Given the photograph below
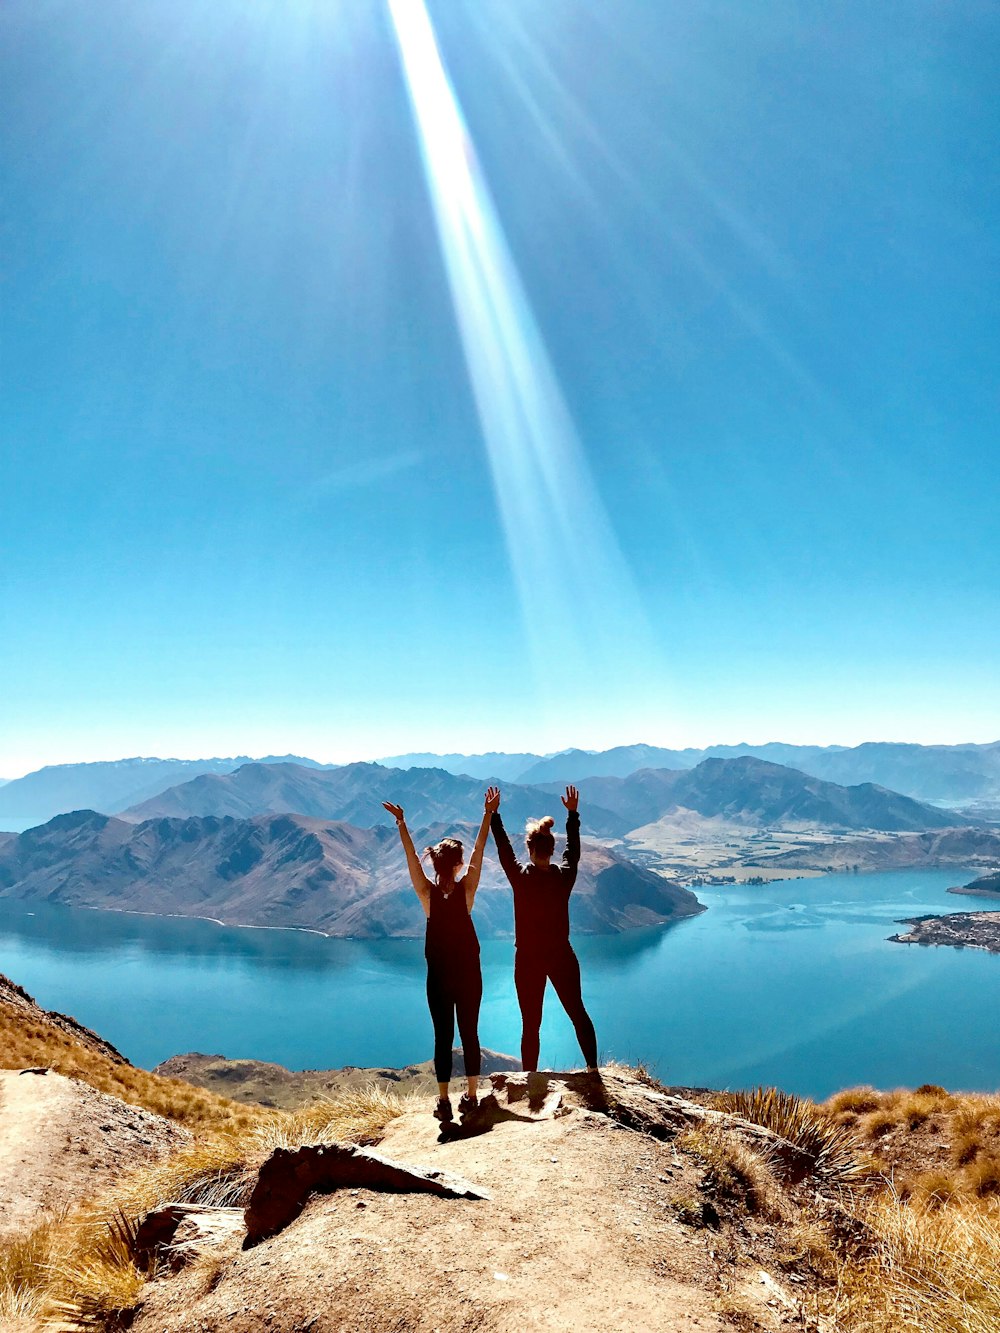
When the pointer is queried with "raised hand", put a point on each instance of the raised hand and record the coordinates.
(492, 802)
(395, 810)
(572, 798)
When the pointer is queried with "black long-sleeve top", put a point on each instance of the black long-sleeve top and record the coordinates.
(541, 893)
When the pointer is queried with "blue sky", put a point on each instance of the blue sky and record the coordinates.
(247, 502)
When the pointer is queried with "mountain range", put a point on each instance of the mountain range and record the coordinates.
(292, 870)
(949, 775)
(748, 791)
(945, 774)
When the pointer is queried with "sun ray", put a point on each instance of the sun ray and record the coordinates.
(570, 573)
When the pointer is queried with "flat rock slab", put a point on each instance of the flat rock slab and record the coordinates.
(290, 1175)
(179, 1231)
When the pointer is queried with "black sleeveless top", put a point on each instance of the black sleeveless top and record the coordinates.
(451, 939)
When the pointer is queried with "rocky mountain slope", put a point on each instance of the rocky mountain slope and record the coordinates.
(290, 870)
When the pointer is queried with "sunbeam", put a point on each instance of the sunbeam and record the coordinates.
(570, 573)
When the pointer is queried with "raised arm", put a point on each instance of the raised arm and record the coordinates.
(421, 884)
(571, 856)
(511, 865)
(471, 877)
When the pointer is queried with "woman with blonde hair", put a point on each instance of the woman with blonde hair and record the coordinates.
(454, 978)
(542, 951)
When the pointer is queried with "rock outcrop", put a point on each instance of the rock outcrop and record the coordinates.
(604, 1203)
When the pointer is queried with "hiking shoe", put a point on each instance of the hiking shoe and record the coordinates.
(468, 1105)
(443, 1111)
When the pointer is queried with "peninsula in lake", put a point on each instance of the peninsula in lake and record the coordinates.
(962, 930)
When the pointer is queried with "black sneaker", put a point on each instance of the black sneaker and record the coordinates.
(469, 1105)
(443, 1111)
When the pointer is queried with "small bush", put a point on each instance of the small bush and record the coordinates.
(965, 1149)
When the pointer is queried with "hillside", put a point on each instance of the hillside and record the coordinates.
(354, 793)
(31, 1036)
(264, 1083)
(986, 886)
(291, 870)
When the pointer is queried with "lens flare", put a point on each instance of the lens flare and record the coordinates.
(571, 577)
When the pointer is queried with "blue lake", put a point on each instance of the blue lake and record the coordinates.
(793, 984)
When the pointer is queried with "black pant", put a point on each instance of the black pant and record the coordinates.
(451, 993)
(562, 968)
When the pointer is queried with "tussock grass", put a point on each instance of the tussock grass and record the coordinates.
(832, 1150)
(736, 1174)
(24, 1272)
(935, 1269)
(877, 1123)
(854, 1101)
(80, 1268)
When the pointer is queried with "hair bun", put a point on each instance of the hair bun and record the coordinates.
(546, 822)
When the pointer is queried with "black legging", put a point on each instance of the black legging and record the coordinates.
(450, 994)
(562, 968)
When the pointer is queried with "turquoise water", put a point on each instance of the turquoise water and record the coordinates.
(792, 984)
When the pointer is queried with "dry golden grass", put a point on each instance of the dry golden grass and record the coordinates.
(27, 1041)
(935, 1268)
(736, 1174)
(80, 1269)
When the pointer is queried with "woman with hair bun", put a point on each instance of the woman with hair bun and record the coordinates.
(542, 951)
(454, 979)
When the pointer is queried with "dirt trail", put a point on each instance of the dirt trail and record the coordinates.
(61, 1141)
(581, 1234)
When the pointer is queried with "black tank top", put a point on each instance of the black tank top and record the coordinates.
(451, 937)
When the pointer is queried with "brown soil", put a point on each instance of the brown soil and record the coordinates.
(62, 1141)
(584, 1230)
